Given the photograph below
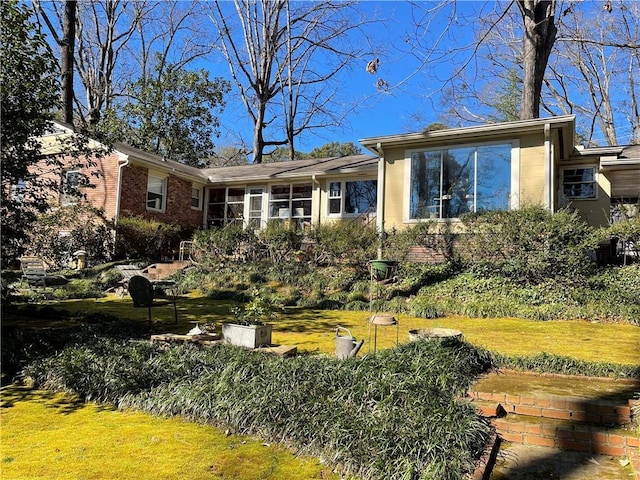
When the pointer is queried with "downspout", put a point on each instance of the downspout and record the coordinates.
(319, 196)
(550, 166)
(382, 169)
(116, 215)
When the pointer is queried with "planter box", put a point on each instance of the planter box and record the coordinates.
(248, 336)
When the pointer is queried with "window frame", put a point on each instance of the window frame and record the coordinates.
(67, 198)
(227, 219)
(198, 198)
(594, 170)
(163, 195)
(514, 175)
(291, 201)
(342, 197)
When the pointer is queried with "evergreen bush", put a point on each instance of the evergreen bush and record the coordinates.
(529, 245)
(137, 237)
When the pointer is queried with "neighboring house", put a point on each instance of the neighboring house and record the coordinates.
(446, 173)
(427, 175)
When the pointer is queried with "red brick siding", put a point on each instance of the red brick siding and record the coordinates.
(103, 176)
(178, 203)
(106, 185)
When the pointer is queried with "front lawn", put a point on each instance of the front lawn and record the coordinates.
(344, 412)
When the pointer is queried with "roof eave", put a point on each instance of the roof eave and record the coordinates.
(467, 133)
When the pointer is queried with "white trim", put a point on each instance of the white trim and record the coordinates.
(200, 195)
(513, 201)
(343, 195)
(596, 182)
(163, 200)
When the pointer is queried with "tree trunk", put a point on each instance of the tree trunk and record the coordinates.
(538, 39)
(67, 48)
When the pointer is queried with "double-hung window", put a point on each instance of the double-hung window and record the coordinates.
(156, 193)
(196, 197)
(352, 197)
(70, 187)
(449, 182)
(579, 183)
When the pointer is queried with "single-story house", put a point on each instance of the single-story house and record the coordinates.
(407, 178)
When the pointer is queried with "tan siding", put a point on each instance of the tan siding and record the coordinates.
(395, 188)
(532, 170)
(596, 212)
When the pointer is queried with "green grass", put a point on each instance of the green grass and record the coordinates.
(55, 436)
(35, 423)
(314, 330)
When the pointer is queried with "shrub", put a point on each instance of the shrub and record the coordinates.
(348, 242)
(280, 241)
(137, 237)
(530, 245)
(84, 228)
(433, 235)
(217, 245)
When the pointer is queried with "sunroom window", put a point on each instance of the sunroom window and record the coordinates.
(226, 206)
(290, 201)
(447, 183)
(353, 198)
(579, 183)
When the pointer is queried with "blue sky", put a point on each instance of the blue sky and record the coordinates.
(378, 112)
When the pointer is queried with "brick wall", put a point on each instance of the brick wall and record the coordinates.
(106, 184)
(178, 203)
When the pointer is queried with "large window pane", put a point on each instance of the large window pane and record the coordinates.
(425, 184)
(361, 196)
(451, 182)
(457, 181)
(493, 181)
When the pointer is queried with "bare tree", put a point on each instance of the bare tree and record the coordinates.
(592, 72)
(539, 36)
(595, 74)
(104, 29)
(118, 41)
(283, 57)
(66, 42)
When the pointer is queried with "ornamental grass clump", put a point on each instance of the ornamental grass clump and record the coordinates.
(398, 414)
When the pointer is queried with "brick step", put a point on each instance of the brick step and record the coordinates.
(599, 411)
(567, 435)
(158, 271)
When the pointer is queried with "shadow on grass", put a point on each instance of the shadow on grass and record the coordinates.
(63, 403)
